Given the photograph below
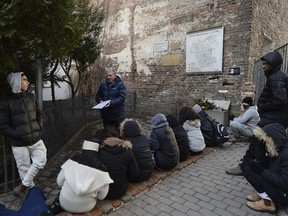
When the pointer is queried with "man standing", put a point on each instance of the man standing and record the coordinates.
(112, 89)
(21, 121)
(272, 105)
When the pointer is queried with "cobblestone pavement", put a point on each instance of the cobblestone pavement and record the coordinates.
(202, 188)
(199, 189)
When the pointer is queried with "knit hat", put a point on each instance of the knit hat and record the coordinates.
(14, 80)
(172, 120)
(89, 145)
(197, 108)
(248, 100)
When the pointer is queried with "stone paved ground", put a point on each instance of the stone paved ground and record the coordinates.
(199, 186)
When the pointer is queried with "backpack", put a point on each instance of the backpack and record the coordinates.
(217, 135)
(221, 135)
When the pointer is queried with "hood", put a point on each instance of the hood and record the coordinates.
(275, 60)
(274, 136)
(253, 107)
(114, 141)
(84, 179)
(172, 120)
(197, 108)
(130, 128)
(14, 80)
(195, 123)
(159, 120)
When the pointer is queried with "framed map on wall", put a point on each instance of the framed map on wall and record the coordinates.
(204, 50)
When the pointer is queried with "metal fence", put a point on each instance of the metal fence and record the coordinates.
(61, 120)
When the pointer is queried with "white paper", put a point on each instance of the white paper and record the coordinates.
(101, 105)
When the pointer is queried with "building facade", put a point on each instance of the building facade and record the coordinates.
(172, 52)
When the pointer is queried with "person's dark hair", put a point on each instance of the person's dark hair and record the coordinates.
(187, 113)
(90, 158)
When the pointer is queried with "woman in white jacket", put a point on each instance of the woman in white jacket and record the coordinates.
(83, 180)
(191, 123)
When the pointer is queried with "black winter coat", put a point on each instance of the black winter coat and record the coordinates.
(140, 146)
(20, 119)
(117, 156)
(207, 129)
(116, 92)
(181, 137)
(273, 101)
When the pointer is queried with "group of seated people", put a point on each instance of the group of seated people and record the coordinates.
(106, 165)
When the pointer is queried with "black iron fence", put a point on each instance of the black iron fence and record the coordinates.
(61, 120)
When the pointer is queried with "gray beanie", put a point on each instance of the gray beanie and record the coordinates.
(197, 108)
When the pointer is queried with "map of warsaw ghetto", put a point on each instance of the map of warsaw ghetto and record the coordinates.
(204, 50)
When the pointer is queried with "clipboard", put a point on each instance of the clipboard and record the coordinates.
(101, 105)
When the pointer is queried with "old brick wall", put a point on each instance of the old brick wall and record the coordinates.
(132, 27)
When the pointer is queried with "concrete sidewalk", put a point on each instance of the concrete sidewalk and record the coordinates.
(198, 186)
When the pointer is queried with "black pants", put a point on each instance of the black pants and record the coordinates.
(115, 124)
(262, 185)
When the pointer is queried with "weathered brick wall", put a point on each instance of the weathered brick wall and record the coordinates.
(159, 79)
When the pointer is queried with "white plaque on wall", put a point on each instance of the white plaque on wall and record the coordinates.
(204, 50)
(160, 46)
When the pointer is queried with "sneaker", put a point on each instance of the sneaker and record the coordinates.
(263, 206)
(55, 208)
(235, 171)
(253, 197)
(20, 191)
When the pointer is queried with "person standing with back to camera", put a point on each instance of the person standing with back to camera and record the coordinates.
(112, 89)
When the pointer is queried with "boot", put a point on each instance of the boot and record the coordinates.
(235, 171)
(20, 191)
(263, 205)
(253, 197)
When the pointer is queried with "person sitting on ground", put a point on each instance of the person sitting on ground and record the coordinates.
(34, 205)
(192, 124)
(244, 124)
(163, 144)
(83, 180)
(207, 127)
(271, 183)
(131, 130)
(181, 137)
(117, 155)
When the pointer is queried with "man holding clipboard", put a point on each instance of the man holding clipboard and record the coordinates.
(110, 98)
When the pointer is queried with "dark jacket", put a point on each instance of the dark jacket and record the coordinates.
(207, 129)
(181, 137)
(117, 156)
(116, 92)
(273, 101)
(163, 143)
(20, 119)
(130, 130)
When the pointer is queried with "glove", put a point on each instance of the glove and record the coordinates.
(256, 167)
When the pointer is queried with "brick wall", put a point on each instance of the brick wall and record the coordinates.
(132, 27)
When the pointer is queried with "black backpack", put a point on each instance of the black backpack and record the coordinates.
(218, 134)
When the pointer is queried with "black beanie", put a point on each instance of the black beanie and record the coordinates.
(248, 100)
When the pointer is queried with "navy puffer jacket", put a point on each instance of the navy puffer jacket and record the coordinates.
(20, 119)
(273, 101)
(116, 92)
